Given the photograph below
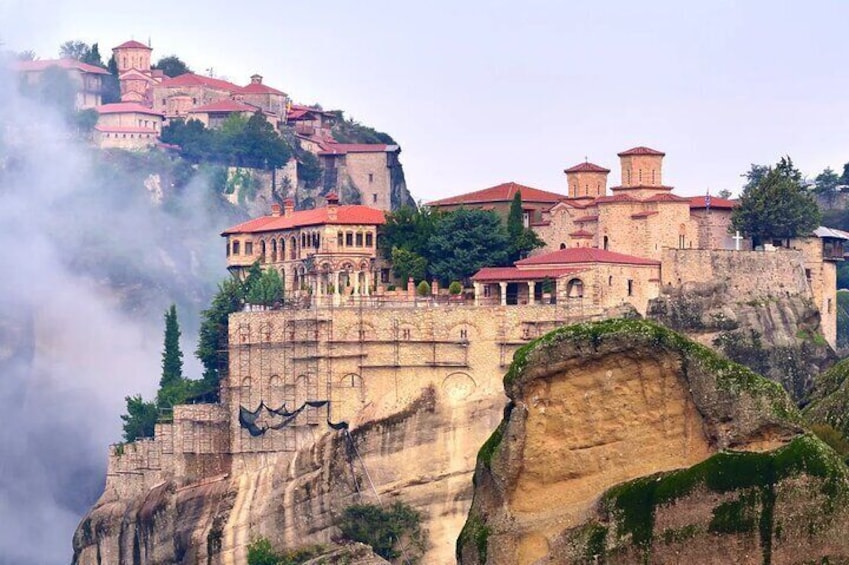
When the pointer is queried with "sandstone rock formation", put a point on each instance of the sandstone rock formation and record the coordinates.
(828, 402)
(422, 455)
(778, 336)
(625, 442)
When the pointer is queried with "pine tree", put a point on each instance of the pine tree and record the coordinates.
(172, 357)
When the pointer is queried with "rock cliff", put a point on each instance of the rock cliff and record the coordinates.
(776, 335)
(422, 456)
(625, 442)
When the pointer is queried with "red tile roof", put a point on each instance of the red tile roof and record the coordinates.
(501, 193)
(125, 107)
(641, 150)
(191, 79)
(67, 64)
(581, 234)
(643, 215)
(586, 167)
(294, 114)
(586, 219)
(715, 202)
(259, 88)
(665, 197)
(349, 214)
(504, 274)
(575, 255)
(133, 44)
(226, 105)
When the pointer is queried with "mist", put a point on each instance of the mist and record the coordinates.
(93, 250)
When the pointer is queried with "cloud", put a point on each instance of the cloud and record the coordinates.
(90, 262)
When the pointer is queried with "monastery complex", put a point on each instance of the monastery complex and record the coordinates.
(348, 348)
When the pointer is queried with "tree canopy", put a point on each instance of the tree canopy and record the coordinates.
(82, 52)
(466, 241)
(239, 142)
(774, 204)
(523, 240)
(172, 66)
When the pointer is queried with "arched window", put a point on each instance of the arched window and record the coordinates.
(606, 242)
(369, 240)
(282, 249)
(262, 250)
(575, 288)
(359, 239)
(293, 248)
(273, 250)
(340, 239)
(562, 246)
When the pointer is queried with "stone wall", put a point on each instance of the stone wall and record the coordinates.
(748, 274)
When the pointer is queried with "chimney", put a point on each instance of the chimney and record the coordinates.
(275, 209)
(288, 207)
(332, 204)
(256, 79)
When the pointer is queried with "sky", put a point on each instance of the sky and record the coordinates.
(479, 93)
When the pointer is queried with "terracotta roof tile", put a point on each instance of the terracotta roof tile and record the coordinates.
(575, 255)
(715, 202)
(583, 219)
(501, 193)
(125, 107)
(67, 64)
(642, 187)
(125, 129)
(665, 197)
(192, 79)
(643, 215)
(498, 274)
(641, 150)
(615, 198)
(349, 214)
(133, 44)
(343, 148)
(581, 234)
(586, 167)
(259, 88)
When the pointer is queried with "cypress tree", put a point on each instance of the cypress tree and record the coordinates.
(515, 224)
(172, 357)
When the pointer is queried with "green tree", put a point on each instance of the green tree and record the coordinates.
(776, 207)
(386, 531)
(84, 121)
(523, 240)
(56, 89)
(212, 340)
(844, 178)
(140, 419)
(74, 49)
(92, 56)
(515, 219)
(724, 193)
(266, 290)
(408, 228)
(171, 382)
(406, 264)
(172, 66)
(825, 185)
(466, 241)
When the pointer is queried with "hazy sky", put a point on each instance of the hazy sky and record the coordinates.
(479, 93)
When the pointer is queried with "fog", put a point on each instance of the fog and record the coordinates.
(91, 259)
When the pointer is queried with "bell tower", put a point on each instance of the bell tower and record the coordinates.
(641, 167)
(586, 180)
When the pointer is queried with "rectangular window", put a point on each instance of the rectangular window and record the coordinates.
(236, 247)
(384, 275)
(249, 248)
(374, 197)
(359, 240)
(630, 287)
(371, 177)
(228, 249)
(349, 239)
(339, 239)
(369, 240)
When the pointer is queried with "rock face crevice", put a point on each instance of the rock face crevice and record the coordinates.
(422, 455)
(627, 405)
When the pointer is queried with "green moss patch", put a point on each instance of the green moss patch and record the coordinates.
(754, 475)
(476, 532)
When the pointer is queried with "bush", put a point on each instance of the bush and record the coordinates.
(260, 552)
(423, 289)
(455, 288)
(386, 531)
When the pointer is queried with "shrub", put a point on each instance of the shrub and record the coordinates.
(386, 531)
(423, 289)
(455, 288)
(260, 552)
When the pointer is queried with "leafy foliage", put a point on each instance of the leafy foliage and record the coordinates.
(775, 205)
(466, 241)
(352, 131)
(260, 552)
(265, 290)
(140, 419)
(407, 264)
(241, 143)
(408, 228)
(212, 341)
(172, 356)
(386, 531)
(423, 289)
(172, 66)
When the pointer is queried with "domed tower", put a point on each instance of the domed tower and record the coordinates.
(132, 55)
(586, 180)
(641, 167)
